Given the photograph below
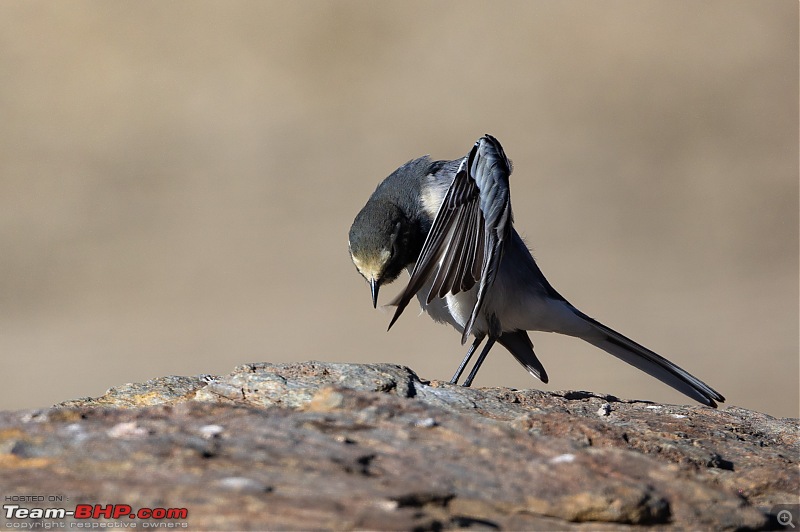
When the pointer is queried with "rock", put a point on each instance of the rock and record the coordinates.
(345, 446)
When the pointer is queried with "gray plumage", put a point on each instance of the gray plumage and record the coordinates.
(450, 224)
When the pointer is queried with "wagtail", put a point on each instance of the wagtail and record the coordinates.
(449, 224)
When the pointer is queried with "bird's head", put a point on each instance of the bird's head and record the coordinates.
(381, 242)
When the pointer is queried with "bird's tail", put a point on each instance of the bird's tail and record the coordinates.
(651, 363)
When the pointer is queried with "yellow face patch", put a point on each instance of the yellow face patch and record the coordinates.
(372, 267)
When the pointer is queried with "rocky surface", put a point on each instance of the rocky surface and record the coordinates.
(344, 446)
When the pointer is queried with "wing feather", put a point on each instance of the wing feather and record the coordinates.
(465, 244)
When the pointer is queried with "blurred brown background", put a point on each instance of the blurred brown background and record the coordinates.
(177, 181)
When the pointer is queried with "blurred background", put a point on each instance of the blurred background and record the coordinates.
(177, 181)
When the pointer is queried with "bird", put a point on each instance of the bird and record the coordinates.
(449, 224)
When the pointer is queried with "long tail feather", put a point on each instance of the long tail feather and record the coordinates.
(651, 363)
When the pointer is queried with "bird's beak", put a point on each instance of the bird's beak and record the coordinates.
(374, 285)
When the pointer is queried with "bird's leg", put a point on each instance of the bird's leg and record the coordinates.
(472, 348)
(481, 358)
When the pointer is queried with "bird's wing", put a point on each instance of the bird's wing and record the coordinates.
(465, 243)
(519, 344)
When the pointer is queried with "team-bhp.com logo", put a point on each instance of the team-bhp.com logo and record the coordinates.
(96, 511)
